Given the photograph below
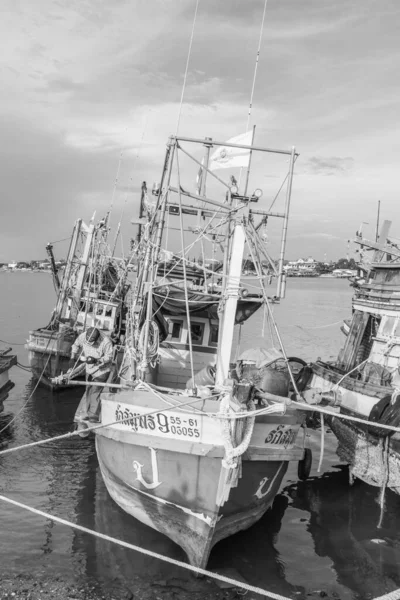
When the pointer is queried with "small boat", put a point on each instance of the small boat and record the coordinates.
(364, 381)
(91, 293)
(6, 362)
(192, 444)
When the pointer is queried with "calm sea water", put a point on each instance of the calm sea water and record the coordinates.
(320, 535)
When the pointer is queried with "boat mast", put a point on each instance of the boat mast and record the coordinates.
(228, 316)
(49, 250)
(141, 211)
(377, 221)
(76, 298)
(68, 268)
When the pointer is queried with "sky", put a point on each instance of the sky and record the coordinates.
(91, 91)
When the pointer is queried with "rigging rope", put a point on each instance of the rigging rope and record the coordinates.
(256, 65)
(63, 240)
(13, 343)
(115, 186)
(187, 67)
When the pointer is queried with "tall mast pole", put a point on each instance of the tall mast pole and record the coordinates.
(231, 295)
(68, 269)
(141, 211)
(82, 272)
(202, 192)
(249, 167)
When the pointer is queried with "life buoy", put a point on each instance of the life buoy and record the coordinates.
(304, 466)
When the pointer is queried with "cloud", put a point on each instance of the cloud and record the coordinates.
(333, 165)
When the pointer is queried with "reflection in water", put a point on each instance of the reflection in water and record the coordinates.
(343, 525)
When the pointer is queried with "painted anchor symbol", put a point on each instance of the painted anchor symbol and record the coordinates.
(137, 467)
(259, 493)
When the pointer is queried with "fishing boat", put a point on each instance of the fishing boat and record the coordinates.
(90, 293)
(6, 362)
(190, 443)
(364, 380)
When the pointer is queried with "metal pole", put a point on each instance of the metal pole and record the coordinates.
(231, 145)
(285, 223)
(377, 221)
(54, 270)
(248, 168)
(204, 172)
(68, 269)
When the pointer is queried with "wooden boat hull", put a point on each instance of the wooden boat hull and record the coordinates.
(172, 481)
(6, 362)
(185, 513)
(49, 354)
(359, 447)
(365, 454)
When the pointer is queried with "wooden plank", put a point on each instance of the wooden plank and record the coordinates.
(357, 329)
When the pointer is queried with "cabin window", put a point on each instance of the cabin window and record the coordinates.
(108, 311)
(197, 333)
(99, 310)
(176, 330)
(388, 326)
(213, 339)
(397, 328)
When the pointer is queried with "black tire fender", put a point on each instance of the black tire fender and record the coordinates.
(378, 414)
(304, 466)
(303, 378)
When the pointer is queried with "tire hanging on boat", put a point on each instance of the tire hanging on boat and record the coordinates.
(304, 466)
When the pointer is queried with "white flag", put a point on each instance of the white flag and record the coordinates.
(226, 157)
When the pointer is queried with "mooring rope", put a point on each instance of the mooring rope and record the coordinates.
(321, 456)
(13, 343)
(167, 559)
(385, 479)
(394, 595)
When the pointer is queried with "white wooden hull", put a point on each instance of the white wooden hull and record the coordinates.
(172, 482)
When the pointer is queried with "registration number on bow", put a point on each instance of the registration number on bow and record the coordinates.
(167, 424)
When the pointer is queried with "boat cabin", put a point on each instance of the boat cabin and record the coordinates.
(174, 369)
(374, 332)
(95, 313)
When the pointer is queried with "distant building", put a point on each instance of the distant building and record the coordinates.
(301, 266)
(12, 265)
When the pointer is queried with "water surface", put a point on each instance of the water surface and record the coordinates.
(320, 535)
